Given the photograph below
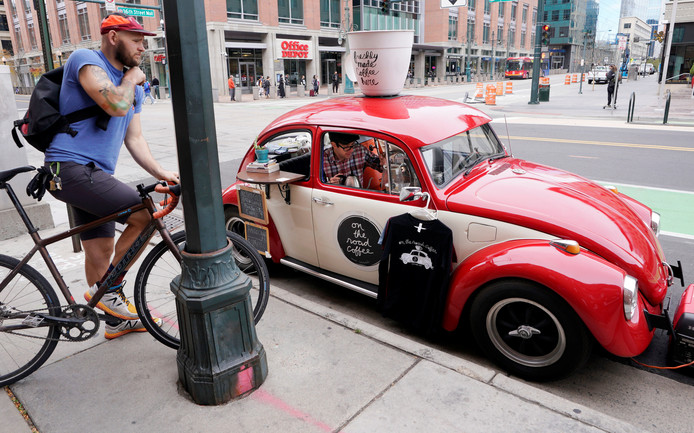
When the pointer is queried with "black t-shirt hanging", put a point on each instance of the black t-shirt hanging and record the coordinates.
(414, 271)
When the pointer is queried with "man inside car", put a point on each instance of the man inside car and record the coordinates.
(346, 159)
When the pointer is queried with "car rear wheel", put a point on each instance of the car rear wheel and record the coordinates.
(529, 331)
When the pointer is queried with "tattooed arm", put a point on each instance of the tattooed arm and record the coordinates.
(114, 100)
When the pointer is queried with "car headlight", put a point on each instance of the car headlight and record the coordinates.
(655, 223)
(630, 296)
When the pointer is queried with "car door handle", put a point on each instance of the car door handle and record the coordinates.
(323, 201)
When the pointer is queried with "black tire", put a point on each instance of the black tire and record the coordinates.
(154, 299)
(21, 355)
(529, 331)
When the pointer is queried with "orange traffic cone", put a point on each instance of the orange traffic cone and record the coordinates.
(567, 80)
(490, 97)
(479, 94)
(509, 87)
(499, 88)
(575, 78)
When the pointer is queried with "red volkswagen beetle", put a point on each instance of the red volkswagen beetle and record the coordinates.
(546, 263)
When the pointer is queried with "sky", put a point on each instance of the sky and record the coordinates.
(608, 19)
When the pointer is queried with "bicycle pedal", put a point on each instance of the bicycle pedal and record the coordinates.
(33, 321)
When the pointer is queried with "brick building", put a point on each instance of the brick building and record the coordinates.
(252, 38)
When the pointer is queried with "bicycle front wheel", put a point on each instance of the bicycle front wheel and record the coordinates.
(24, 350)
(154, 299)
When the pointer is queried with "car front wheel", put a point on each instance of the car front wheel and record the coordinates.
(529, 331)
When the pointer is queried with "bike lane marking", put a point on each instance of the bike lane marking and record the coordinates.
(676, 207)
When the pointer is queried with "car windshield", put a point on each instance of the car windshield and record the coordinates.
(600, 69)
(446, 159)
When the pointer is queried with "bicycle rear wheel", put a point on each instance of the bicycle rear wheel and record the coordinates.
(23, 351)
(154, 299)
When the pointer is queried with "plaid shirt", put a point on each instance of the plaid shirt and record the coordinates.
(359, 159)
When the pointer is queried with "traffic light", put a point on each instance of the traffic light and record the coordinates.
(385, 6)
(545, 34)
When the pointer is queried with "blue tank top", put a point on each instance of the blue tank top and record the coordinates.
(91, 144)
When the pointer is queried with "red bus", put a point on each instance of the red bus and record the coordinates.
(519, 67)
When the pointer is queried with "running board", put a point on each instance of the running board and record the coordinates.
(367, 289)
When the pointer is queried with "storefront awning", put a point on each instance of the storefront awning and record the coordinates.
(252, 45)
(332, 48)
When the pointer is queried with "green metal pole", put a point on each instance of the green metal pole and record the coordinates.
(40, 7)
(534, 94)
(220, 357)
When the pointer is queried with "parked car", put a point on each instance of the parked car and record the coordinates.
(598, 74)
(547, 263)
(646, 69)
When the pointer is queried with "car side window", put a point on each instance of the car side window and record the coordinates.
(401, 172)
(292, 150)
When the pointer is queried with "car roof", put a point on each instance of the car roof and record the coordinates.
(417, 120)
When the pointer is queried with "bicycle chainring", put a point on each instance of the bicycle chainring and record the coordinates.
(85, 328)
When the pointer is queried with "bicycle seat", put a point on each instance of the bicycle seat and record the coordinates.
(7, 175)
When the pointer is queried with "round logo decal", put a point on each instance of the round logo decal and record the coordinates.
(358, 240)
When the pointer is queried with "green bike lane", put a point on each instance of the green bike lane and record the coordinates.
(676, 208)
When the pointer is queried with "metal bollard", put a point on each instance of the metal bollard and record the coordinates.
(632, 106)
(667, 106)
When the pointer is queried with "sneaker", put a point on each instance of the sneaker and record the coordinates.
(126, 327)
(114, 303)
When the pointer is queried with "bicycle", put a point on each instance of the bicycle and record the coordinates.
(31, 312)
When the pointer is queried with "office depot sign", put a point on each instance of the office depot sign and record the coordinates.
(293, 49)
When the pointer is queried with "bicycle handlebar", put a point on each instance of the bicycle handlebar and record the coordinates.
(171, 202)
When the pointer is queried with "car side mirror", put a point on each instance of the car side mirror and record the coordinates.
(409, 193)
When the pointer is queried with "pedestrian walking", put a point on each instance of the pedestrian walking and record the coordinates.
(303, 81)
(110, 78)
(316, 85)
(336, 81)
(148, 91)
(155, 86)
(611, 81)
(280, 88)
(266, 87)
(232, 88)
(259, 84)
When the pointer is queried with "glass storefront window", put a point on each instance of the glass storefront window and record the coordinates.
(246, 65)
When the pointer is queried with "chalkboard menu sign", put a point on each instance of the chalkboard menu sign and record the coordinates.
(252, 204)
(257, 236)
(358, 240)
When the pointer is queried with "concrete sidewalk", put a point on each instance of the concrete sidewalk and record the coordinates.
(327, 372)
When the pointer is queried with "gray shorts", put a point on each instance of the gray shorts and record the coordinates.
(93, 194)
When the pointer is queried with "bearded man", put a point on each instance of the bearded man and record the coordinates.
(84, 163)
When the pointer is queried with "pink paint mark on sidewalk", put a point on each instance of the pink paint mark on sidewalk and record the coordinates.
(269, 399)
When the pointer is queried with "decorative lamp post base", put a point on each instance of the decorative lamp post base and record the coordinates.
(220, 357)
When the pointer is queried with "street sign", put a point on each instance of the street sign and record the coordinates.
(136, 12)
(607, 59)
(622, 43)
(453, 3)
(110, 5)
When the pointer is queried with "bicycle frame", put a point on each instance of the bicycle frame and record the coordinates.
(132, 252)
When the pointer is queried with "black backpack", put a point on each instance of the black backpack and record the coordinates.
(43, 119)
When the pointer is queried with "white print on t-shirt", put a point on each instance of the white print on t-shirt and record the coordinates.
(419, 245)
(417, 257)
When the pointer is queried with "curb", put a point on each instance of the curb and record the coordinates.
(488, 376)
